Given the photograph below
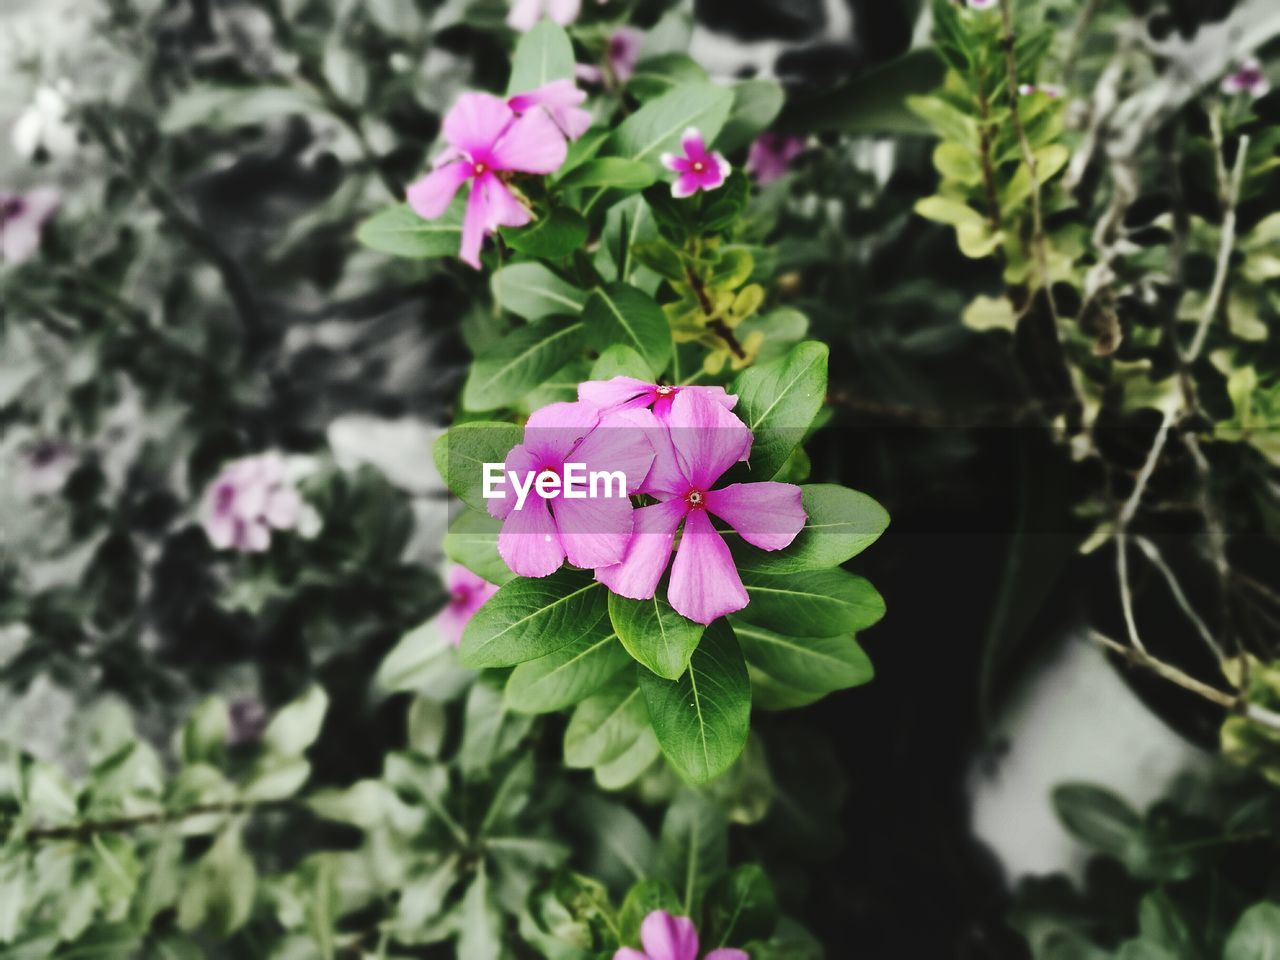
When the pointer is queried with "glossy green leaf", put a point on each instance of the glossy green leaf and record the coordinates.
(839, 524)
(702, 719)
(1098, 817)
(619, 313)
(656, 127)
(778, 401)
(809, 664)
(567, 676)
(653, 633)
(1256, 935)
(296, 726)
(756, 103)
(399, 231)
(817, 603)
(472, 541)
(521, 361)
(555, 235)
(739, 907)
(617, 173)
(529, 618)
(542, 55)
(607, 724)
(621, 361)
(461, 453)
(532, 291)
(693, 846)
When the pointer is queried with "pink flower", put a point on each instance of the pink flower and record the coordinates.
(705, 440)
(22, 220)
(486, 139)
(627, 393)
(770, 156)
(591, 531)
(672, 938)
(467, 594)
(526, 13)
(1249, 79)
(562, 101)
(698, 169)
(250, 498)
(620, 57)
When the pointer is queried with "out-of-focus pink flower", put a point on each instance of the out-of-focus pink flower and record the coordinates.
(665, 937)
(705, 440)
(22, 221)
(486, 139)
(982, 4)
(44, 468)
(250, 498)
(246, 720)
(526, 13)
(1048, 89)
(590, 531)
(620, 57)
(770, 156)
(468, 592)
(698, 169)
(626, 393)
(1248, 78)
(562, 101)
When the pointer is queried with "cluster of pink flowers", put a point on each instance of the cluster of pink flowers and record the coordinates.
(673, 444)
(665, 937)
(251, 497)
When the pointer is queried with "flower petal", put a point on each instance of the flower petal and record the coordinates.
(615, 393)
(504, 210)
(431, 195)
(669, 938)
(646, 556)
(708, 439)
(475, 123)
(693, 145)
(533, 144)
(629, 953)
(623, 442)
(563, 12)
(519, 460)
(767, 515)
(528, 541)
(594, 530)
(552, 432)
(524, 14)
(704, 582)
(474, 221)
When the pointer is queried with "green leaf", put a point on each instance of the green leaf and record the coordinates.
(839, 524)
(1256, 935)
(204, 735)
(491, 732)
(778, 401)
(756, 103)
(809, 664)
(656, 127)
(277, 778)
(528, 618)
(659, 74)
(1143, 950)
(472, 542)
(1161, 922)
(399, 231)
(1098, 817)
(607, 725)
(650, 894)
(521, 361)
(739, 907)
(693, 846)
(345, 72)
(543, 54)
(621, 361)
(532, 291)
(225, 108)
(874, 103)
(702, 719)
(947, 121)
(297, 725)
(565, 677)
(619, 313)
(654, 634)
(818, 603)
(955, 213)
(555, 235)
(617, 173)
(461, 453)
(219, 893)
(480, 934)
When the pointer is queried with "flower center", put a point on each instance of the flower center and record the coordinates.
(695, 498)
(698, 166)
(458, 595)
(479, 168)
(664, 390)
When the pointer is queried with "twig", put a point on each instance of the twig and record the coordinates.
(1123, 519)
(1153, 554)
(714, 323)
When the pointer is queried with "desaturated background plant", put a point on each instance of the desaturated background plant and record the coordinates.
(278, 276)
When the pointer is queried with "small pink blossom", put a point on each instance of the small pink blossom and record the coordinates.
(562, 101)
(592, 531)
(468, 592)
(770, 156)
(626, 393)
(665, 937)
(250, 498)
(22, 221)
(1248, 78)
(525, 14)
(698, 169)
(620, 57)
(703, 441)
(487, 140)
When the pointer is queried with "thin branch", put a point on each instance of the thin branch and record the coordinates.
(1153, 554)
(1124, 518)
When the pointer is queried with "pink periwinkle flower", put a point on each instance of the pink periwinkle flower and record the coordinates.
(703, 440)
(22, 221)
(698, 169)
(563, 103)
(1249, 79)
(770, 156)
(620, 57)
(526, 13)
(590, 531)
(628, 393)
(665, 937)
(487, 141)
(250, 498)
(468, 592)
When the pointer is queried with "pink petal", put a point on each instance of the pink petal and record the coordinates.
(503, 208)
(475, 122)
(588, 73)
(704, 582)
(557, 93)
(767, 515)
(431, 195)
(521, 460)
(19, 239)
(646, 556)
(667, 477)
(624, 52)
(451, 623)
(533, 144)
(563, 12)
(552, 432)
(618, 392)
(694, 147)
(708, 439)
(621, 442)
(627, 953)
(674, 163)
(669, 938)
(595, 532)
(528, 541)
(524, 14)
(686, 185)
(727, 953)
(474, 223)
